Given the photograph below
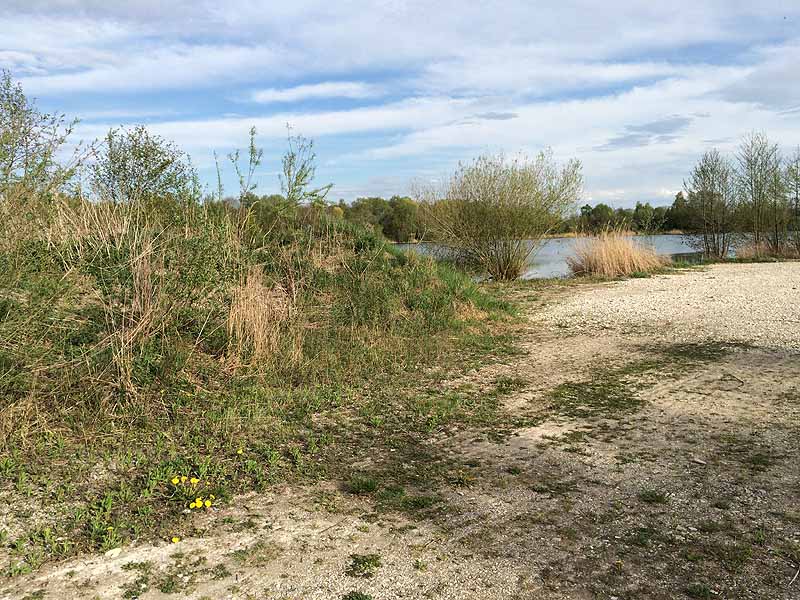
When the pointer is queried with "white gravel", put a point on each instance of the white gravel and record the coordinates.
(757, 303)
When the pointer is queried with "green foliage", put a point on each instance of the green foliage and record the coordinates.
(136, 165)
(493, 213)
(29, 142)
(363, 565)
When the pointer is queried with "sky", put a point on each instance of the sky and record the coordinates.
(393, 92)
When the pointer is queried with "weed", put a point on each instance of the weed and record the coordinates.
(363, 565)
(362, 484)
(652, 496)
(698, 590)
(356, 596)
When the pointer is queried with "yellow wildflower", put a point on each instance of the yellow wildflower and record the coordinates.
(194, 481)
(176, 539)
(239, 451)
(199, 502)
(175, 481)
(192, 505)
(183, 478)
(208, 503)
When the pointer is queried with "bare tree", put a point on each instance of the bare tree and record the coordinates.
(711, 192)
(760, 186)
(493, 213)
(793, 194)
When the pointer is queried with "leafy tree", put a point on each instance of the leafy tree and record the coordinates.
(401, 221)
(29, 142)
(494, 213)
(298, 172)
(680, 215)
(137, 165)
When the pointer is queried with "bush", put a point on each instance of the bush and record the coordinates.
(613, 254)
(493, 214)
(136, 165)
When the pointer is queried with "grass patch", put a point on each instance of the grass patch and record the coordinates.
(652, 496)
(360, 484)
(363, 565)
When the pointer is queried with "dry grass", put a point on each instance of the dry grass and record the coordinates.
(258, 314)
(614, 254)
(760, 251)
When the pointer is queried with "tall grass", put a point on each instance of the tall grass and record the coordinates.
(113, 308)
(614, 254)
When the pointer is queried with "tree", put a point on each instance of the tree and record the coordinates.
(136, 165)
(298, 171)
(759, 179)
(793, 194)
(401, 222)
(29, 142)
(647, 219)
(711, 191)
(680, 215)
(493, 213)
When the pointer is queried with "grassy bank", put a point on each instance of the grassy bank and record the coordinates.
(155, 353)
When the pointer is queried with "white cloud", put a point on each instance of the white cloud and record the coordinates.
(636, 90)
(328, 89)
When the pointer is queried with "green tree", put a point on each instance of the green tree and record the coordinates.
(136, 165)
(401, 221)
(29, 142)
(494, 213)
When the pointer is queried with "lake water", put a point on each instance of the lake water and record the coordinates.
(551, 258)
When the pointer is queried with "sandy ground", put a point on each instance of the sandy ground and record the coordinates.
(751, 303)
(686, 487)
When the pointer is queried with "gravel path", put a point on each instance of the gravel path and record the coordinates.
(757, 304)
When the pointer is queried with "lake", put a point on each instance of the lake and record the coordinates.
(551, 258)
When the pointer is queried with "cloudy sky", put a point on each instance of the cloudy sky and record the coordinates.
(395, 90)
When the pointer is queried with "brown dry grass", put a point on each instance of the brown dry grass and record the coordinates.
(614, 254)
(257, 316)
(759, 251)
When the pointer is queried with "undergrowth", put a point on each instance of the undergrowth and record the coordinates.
(151, 341)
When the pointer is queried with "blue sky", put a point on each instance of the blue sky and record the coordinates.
(396, 91)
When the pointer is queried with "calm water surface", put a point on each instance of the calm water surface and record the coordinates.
(551, 258)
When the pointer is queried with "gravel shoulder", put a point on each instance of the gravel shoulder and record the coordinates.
(646, 447)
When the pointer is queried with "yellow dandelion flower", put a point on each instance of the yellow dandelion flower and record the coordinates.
(183, 478)
(199, 502)
(194, 481)
(192, 505)
(208, 503)
(176, 539)
(175, 481)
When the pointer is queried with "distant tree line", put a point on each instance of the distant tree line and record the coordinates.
(750, 201)
(397, 219)
(644, 218)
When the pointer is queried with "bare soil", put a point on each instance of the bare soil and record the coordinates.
(646, 450)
